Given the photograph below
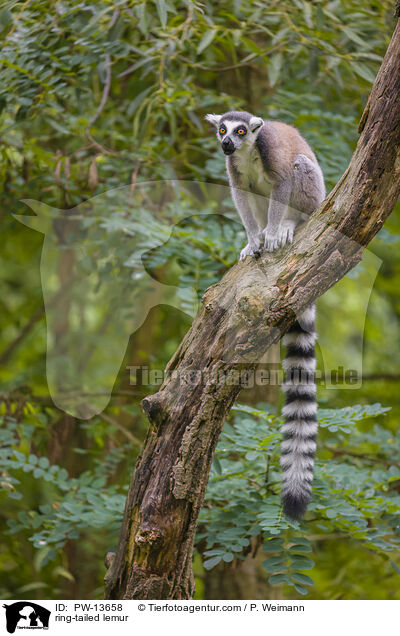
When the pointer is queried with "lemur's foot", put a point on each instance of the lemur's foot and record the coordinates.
(271, 240)
(285, 232)
(279, 237)
(249, 250)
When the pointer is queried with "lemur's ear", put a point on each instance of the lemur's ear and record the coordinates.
(255, 122)
(213, 119)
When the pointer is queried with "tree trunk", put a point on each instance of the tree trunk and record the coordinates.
(242, 315)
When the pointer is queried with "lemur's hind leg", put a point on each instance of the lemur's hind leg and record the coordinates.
(308, 186)
(308, 191)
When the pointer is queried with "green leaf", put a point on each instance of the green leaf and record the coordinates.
(58, 127)
(274, 564)
(44, 462)
(217, 466)
(300, 589)
(206, 40)
(302, 578)
(278, 578)
(135, 103)
(15, 495)
(273, 545)
(353, 36)
(300, 548)
(274, 68)
(210, 563)
(363, 71)
(5, 17)
(301, 563)
(29, 587)
(60, 571)
(162, 12)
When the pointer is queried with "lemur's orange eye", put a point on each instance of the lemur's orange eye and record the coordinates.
(222, 130)
(241, 131)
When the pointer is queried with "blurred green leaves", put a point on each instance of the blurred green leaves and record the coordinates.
(170, 63)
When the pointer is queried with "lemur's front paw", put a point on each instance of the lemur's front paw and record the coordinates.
(249, 250)
(285, 232)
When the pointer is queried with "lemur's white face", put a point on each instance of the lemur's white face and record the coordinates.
(235, 134)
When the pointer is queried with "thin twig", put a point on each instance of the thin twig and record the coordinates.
(121, 428)
(114, 18)
(36, 316)
(23, 392)
(104, 97)
(366, 458)
(328, 537)
(133, 182)
(376, 377)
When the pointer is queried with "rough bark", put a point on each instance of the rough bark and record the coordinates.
(242, 315)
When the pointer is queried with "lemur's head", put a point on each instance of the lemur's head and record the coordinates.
(235, 129)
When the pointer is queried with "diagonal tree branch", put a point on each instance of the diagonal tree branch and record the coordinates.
(242, 315)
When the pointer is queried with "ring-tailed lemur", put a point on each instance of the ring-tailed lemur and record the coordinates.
(271, 159)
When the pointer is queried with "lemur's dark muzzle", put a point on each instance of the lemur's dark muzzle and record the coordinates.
(227, 146)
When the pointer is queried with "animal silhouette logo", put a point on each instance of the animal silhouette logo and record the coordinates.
(26, 615)
(98, 289)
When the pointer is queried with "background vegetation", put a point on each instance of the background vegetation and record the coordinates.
(99, 95)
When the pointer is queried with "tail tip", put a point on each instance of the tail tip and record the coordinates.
(294, 506)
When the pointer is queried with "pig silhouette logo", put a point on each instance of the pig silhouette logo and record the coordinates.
(26, 615)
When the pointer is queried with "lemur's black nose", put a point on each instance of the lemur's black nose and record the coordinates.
(227, 146)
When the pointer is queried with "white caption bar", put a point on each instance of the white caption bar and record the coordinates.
(154, 617)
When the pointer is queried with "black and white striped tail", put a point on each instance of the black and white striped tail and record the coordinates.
(300, 413)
